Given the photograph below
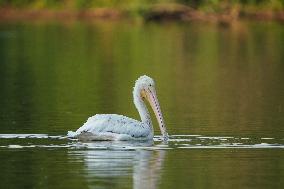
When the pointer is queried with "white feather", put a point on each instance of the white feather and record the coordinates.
(112, 127)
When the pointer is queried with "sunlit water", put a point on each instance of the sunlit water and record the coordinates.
(221, 92)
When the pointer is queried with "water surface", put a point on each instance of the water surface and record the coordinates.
(220, 89)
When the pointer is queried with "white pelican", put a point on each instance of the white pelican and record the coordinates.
(119, 127)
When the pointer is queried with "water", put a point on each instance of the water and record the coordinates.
(220, 89)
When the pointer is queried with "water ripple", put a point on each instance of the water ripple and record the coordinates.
(16, 141)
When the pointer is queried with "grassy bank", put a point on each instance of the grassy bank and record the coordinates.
(186, 10)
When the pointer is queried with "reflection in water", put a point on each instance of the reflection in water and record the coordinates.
(148, 169)
(221, 161)
(120, 165)
(214, 81)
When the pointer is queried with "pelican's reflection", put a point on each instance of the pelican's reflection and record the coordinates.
(147, 170)
(117, 164)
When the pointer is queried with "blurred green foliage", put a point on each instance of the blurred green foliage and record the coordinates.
(83, 4)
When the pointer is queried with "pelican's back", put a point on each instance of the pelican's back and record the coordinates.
(112, 127)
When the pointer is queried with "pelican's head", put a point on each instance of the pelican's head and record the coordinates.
(145, 88)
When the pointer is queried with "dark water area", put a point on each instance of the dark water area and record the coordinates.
(220, 89)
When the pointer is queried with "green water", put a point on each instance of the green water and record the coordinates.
(220, 89)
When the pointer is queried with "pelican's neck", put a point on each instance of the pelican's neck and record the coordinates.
(141, 107)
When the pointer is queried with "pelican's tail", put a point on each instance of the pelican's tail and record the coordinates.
(72, 134)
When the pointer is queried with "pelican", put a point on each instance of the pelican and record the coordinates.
(119, 127)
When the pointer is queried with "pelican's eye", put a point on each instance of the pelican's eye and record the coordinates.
(150, 85)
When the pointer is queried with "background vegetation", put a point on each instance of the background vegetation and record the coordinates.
(209, 5)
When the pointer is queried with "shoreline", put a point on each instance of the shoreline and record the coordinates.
(156, 13)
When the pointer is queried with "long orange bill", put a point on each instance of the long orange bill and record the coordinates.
(153, 100)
